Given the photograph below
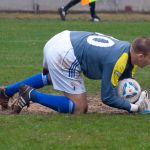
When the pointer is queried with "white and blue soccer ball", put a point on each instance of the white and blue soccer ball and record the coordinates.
(129, 89)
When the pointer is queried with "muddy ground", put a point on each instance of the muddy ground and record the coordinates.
(95, 105)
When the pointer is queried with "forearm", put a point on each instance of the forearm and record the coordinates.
(117, 102)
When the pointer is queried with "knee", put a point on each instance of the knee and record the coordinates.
(80, 109)
(80, 101)
(107, 102)
(81, 106)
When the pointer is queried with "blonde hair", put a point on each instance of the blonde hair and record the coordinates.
(141, 45)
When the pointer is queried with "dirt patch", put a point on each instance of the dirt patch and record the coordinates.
(95, 105)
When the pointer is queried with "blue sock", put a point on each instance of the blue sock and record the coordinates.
(37, 81)
(60, 104)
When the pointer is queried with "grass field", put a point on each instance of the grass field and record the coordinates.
(21, 44)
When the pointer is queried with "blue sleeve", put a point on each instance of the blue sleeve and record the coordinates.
(109, 92)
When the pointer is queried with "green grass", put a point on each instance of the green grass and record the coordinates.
(92, 131)
(21, 44)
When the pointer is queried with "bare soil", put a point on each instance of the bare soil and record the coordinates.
(95, 105)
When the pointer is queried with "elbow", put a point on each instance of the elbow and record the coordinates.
(107, 100)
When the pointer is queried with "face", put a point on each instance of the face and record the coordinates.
(142, 60)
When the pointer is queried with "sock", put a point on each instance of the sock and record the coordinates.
(92, 9)
(71, 4)
(37, 81)
(60, 104)
(134, 108)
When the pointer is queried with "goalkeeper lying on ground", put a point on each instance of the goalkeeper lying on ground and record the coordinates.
(97, 56)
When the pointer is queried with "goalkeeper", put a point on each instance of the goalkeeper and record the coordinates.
(98, 57)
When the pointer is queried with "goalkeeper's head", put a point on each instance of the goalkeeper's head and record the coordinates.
(140, 51)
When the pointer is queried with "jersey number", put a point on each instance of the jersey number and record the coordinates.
(100, 40)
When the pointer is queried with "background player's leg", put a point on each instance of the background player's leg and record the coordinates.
(94, 17)
(63, 10)
(70, 4)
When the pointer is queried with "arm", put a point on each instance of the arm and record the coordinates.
(109, 91)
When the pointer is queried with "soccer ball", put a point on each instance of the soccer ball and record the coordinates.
(129, 89)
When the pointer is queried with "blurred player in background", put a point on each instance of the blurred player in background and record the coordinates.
(98, 57)
(64, 10)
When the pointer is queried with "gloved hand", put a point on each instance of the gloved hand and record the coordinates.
(143, 103)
